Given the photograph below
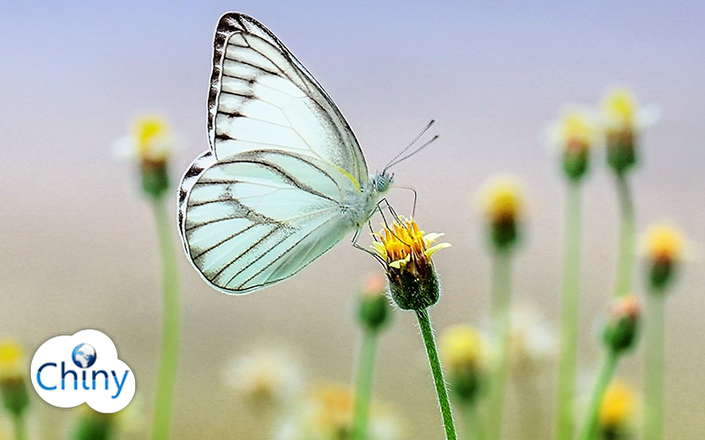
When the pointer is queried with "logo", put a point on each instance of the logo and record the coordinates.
(83, 355)
(66, 372)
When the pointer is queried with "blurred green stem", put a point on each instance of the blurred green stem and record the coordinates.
(473, 425)
(567, 367)
(364, 384)
(20, 426)
(625, 262)
(609, 366)
(437, 372)
(655, 365)
(170, 323)
(500, 301)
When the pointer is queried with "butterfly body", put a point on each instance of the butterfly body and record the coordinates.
(284, 179)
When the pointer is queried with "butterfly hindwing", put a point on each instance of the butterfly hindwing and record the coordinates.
(261, 216)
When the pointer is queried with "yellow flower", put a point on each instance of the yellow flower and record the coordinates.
(11, 358)
(406, 252)
(664, 244)
(404, 243)
(618, 406)
(623, 120)
(575, 131)
(153, 139)
(619, 109)
(150, 141)
(461, 348)
(502, 199)
(150, 144)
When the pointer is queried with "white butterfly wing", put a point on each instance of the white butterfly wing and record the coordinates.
(266, 200)
(262, 97)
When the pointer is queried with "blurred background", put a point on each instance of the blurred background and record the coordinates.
(78, 244)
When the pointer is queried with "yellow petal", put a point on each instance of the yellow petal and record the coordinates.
(379, 248)
(432, 250)
(398, 264)
(433, 236)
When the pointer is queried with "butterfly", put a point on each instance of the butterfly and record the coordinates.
(284, 179)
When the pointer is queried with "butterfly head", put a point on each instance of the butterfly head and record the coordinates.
(382, 181)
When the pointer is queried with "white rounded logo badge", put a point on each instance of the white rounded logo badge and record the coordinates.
(68, 371)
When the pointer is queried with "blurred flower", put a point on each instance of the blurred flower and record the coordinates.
(11, 358)
(461, 347)
(151, 144)
(575, 134)
(664, 248)
(617, 410)
(623, 120)
(406, 252)
(623, 323)
(13, 377)
(373, 305)
(532, 343)
(266, 377)
(150, 140)
(462, 353)
(503, 206)
(327, 414)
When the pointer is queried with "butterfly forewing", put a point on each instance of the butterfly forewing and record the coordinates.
(262, 97)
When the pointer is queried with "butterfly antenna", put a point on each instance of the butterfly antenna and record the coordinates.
(405, 149)
(399, 160)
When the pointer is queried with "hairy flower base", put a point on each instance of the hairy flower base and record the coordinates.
(414, 290)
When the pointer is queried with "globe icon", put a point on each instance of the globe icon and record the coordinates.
(84, 355)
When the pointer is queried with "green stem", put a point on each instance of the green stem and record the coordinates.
(170, 323)
(625, 263)
(364, 384)
(20, 426)
(471, 420)
(654, 366)
(437, 372)
(501, 298)
(567, 367)
(603, 380)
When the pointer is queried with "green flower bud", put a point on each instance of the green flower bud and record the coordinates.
(15, 397)
(93, 425)
(621, 155)
(155, 178)
(13, 378)
(621, 329)
(502, 205)
(373, 307)
(575, 163)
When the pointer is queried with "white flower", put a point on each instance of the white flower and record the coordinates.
(532, 341)
(266, 376)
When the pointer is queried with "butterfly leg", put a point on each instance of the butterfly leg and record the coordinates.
(356, 245)
(413, 204)
(398, 220)
(389, 207)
